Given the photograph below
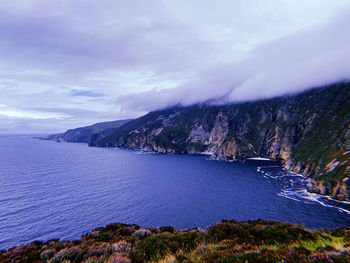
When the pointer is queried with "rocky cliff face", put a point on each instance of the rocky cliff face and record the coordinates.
(309, 132)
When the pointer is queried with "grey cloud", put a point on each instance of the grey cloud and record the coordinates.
(65, 43)
(291, 64)
(86, 93)
(69, 111)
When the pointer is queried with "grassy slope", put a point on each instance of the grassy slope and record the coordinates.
(228, 241)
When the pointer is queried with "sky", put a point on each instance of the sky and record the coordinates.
(66, 64)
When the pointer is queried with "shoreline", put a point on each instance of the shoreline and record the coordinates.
(283, 166)
(217, 158)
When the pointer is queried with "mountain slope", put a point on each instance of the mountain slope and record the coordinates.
(309, 132)
(88, 133)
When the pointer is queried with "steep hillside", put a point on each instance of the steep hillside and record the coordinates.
(88, 133)
(309, 132)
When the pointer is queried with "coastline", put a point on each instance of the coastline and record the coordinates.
(287, 166)
(254, 166)
(315, 196)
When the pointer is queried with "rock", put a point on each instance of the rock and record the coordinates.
(311, 187)
(342, 194)
(141, 233)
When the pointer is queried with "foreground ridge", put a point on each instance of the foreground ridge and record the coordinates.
(228, 241)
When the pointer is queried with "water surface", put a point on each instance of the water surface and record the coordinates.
(63, 190)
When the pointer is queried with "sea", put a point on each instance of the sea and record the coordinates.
(51, 190)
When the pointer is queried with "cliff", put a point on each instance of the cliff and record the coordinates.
(309, 132)
(88, 133)
(228, 241)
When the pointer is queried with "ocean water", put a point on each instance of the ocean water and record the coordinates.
(63, 190)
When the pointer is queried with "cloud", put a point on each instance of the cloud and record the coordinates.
(86, 93)
(72, 63)
(84, 37)
(291, 64)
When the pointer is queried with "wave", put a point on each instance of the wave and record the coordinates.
(295, 189)
(145, 152)
(305, 196)
(259, 159)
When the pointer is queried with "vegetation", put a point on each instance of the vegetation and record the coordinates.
(228, 241)
(88, 133)
(331, 140)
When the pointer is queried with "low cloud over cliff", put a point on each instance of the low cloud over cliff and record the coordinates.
(288, 65)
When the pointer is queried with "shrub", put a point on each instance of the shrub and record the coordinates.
(297, 233)
(169, 229)
(99, 250)
(72, 254)
(223, 231)
(158, 246)
(301, 251)
(339, 232)
(47, 254)
(121, 247)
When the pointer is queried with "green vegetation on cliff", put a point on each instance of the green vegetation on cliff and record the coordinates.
(329, 139)
(228, 241)
(88, 133)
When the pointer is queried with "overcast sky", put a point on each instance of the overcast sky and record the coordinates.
(69, 63)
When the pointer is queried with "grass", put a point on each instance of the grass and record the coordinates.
(228, 241)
